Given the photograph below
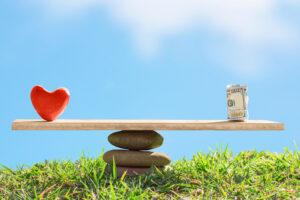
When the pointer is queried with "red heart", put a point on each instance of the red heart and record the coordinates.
(49, 105)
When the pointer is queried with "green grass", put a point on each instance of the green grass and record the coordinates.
(215, 175)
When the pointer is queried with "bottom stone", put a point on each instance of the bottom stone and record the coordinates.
(128, 158)
(132, 171)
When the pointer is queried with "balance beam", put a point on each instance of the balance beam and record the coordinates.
(193, 125)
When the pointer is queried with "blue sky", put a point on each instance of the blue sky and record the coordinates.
(168, 59)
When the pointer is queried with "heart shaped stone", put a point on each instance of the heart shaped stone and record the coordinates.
(49, 105)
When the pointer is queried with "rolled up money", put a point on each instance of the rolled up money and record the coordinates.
(237, 102)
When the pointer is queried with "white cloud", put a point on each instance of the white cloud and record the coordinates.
(250, 24)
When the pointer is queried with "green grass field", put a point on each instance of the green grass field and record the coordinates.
(215, 175)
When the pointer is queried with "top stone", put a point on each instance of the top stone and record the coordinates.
(136, 140)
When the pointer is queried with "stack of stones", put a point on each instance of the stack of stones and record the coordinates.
(135, 160)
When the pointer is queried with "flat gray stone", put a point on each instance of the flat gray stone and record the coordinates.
(136, 140)
(130, 158)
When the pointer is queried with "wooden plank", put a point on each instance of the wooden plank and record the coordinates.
(82, 124)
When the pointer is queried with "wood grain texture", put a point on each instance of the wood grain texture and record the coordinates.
(84, 124)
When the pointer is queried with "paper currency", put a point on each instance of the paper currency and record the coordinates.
(237, 102)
